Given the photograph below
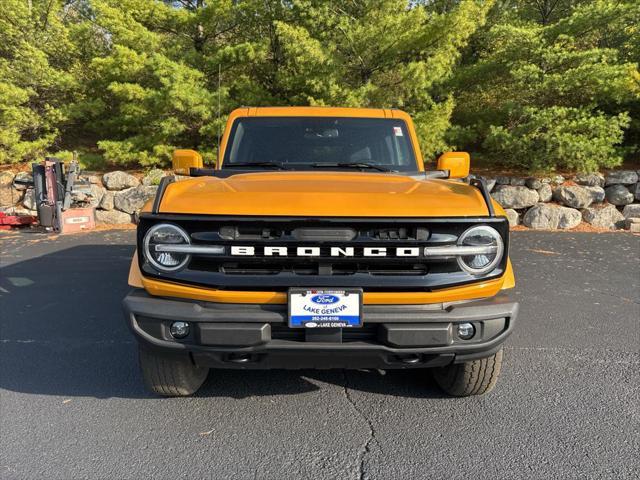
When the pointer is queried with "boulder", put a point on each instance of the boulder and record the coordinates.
(545, 193)
(92, 198)
(503, 180)
(517, 182)
(93, 179)
(6, 179)
(515, 197)
(606, 216)
(631, 211)
(548, 216)
(533, 182)
(10, 196)
(558, 179)
(589, 179)
(637, 192)
(29, 200)
(106, 203)
(621, 177)
(119, 180)
(153, 177)
(112, 217)
(97, 192)
(133, 199)
(513, 217)
(22, 177)
(489, 182)
(618, 195)
(573, 196)
(632, 224)
(597, 193)
(80, 196)
(7, 193)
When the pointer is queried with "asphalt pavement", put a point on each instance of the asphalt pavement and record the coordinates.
(72, 403)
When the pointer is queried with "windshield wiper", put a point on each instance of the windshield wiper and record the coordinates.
(276, 165)
(359, 165)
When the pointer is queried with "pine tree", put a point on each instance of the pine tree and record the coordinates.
(544, 88)
(535, 84)
(37, 60)
(371, 53)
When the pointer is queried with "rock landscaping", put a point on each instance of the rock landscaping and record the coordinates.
(606, 216)
(119, 180)
(618, 195)
(607, 201)
(117, 196)
(547, 216)
(610, 201)
(515, 196)
(133, 199)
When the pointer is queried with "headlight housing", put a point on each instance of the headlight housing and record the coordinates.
(168, 235)
(489, 242)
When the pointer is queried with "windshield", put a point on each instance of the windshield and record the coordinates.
(305, 143)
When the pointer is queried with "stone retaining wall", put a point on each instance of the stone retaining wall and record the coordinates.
(610, 201)
(117, 196)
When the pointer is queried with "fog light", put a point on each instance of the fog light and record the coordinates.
(179, 329)
(466, 330)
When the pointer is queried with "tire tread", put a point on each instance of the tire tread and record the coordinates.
(170, 376)
(476, 377)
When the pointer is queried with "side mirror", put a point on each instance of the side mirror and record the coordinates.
(456, 163)
(183, 160)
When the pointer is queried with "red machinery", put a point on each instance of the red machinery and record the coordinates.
(8, 221)
(54, 190)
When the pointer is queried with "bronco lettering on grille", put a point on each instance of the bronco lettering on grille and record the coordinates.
(252, 251)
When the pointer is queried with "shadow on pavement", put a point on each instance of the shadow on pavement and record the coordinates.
(62, 333)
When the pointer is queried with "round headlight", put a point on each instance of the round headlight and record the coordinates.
(166, 235)
(490, 248)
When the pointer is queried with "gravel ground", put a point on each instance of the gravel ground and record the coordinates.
(72, 403)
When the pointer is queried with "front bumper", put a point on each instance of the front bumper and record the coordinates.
(257, 336)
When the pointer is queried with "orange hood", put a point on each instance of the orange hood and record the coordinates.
(323, 194)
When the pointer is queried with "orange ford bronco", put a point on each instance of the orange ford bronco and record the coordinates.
(319, 240)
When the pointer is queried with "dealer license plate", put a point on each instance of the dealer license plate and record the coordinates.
(325, 308)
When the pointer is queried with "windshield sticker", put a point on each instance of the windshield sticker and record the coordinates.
(397, 131)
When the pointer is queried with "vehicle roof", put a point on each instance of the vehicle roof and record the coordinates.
(319, 112)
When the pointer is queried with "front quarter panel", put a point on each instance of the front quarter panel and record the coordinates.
(135, 276)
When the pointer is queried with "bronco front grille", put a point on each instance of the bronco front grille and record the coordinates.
(270, 248)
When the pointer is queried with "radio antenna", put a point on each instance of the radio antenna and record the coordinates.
(219, 83)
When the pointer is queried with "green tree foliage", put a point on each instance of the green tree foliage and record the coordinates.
(535, 84)
(142, 100)
(370, 53)
(570, 138)
(550, 84)
(37, 61)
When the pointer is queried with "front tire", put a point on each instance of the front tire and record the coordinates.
(476, 377)
(170, 376)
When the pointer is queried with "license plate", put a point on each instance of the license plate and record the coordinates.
(325, 308)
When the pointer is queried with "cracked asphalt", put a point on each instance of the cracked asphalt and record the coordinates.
(72, 403)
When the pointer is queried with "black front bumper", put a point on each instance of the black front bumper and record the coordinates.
(257, 336)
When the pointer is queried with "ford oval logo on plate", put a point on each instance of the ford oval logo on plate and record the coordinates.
(325, 299)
